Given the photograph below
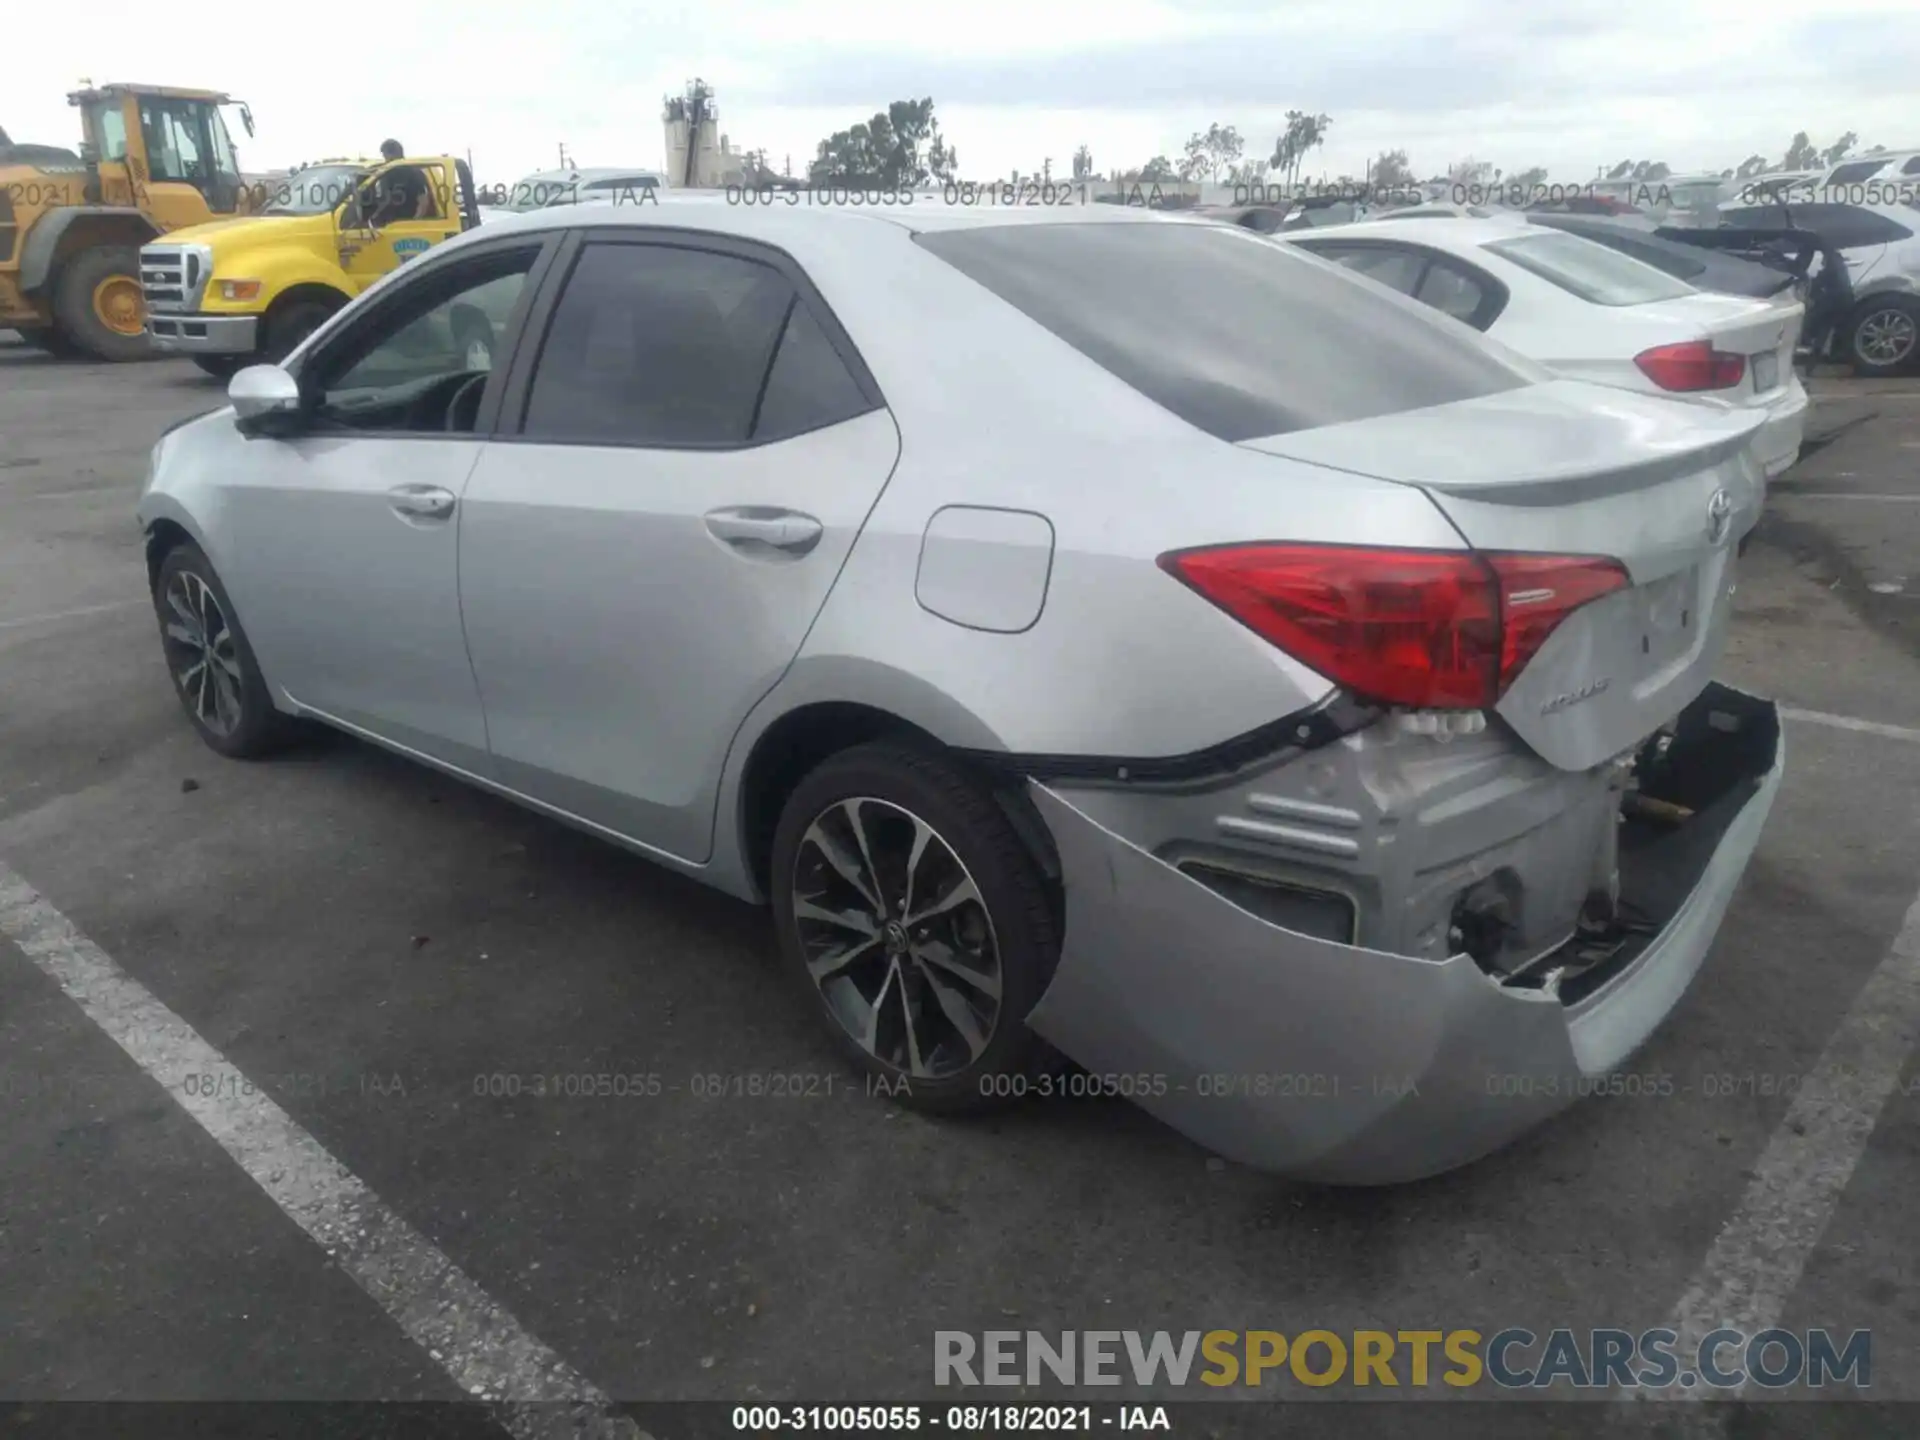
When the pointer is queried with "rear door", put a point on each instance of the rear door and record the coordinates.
(1664, 487)
(687, 461)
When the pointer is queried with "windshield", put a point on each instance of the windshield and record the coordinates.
(1253, 351)
(313, 191)
(1591, 271)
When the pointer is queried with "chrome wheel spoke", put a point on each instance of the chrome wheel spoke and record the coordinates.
(825, 966)
(958, 1011)
(845, 919)
(957, 894)
(870, 1033)
(941, 957)
(916, 1060)
(922, 834)
(180, 634)
(846, 864)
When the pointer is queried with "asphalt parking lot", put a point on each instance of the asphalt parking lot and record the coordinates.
(378, 949)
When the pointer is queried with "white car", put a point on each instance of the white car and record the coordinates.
(1592, 312)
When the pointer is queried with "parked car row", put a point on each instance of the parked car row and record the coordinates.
(1854, 266)
(1098, 635)
(1589, 310)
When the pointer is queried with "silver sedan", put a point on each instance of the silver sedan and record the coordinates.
(1130, 657)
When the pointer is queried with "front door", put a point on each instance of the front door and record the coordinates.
(346, 537)
(401, 211)
(641, 562)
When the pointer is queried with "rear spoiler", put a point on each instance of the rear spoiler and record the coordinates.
(1792, 250)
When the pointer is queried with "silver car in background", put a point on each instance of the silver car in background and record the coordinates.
(1095, 633)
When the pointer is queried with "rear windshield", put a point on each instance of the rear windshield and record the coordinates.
(1234, 333)
(1590, 270)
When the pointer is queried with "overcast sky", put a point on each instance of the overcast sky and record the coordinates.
(1568, 84)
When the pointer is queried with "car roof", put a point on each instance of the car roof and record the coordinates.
(723, 213)
(1445, 232)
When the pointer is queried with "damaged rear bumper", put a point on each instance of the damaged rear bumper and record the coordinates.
(1349, 1065)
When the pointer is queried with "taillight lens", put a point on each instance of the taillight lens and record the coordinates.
(1694, 365)
(1425, 629)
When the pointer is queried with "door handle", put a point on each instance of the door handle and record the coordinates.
(421, 502)
(747, 526)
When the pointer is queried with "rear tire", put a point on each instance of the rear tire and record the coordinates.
(48, 340)
(285, 327)
(212, 665)
(1883, 335)
(946, 1034)
(96, 298)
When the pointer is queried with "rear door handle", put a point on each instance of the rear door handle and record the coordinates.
(747, 527)
(421, 502)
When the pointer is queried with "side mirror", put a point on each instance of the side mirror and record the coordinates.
(266, 401)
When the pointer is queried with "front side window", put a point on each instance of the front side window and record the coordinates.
(419, 361)
(658, 345)
(1589, 270)
(109, 126)
(1267, 342)
(172, 129)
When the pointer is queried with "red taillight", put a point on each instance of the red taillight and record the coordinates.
(1695, 365)
(1425, 629)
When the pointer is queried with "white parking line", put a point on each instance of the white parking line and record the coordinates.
(1757, 1260)
(1847, 722)
(481, 1346)
(48, 616)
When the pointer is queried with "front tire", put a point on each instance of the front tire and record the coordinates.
(97, 306)
(917, 922)
(288, 325)
(213, 667)
(1883, 335)
(220, 367)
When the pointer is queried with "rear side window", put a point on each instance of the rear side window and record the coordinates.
(1589, 270)
(1451, 292)
(1855, 173)
(1671, 262)
(1395, 269)
(809, 386)
(657, 345)
(1237, 335)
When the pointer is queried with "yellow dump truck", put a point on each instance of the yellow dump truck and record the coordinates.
(152, 159)
(241, 292)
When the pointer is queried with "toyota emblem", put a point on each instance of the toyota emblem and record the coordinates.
(1719, 516)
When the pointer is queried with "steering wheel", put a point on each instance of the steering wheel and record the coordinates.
(470, 388)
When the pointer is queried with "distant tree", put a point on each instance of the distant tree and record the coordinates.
(1801, 154)
(1211, 151)
(1837, 151)
(1652, 171)
(1874, 150)
(1083, 164)
(1469, 171)
(1524, 181)
(898, 148)
(1304, 132)
(1750, 167)
(1248, 172)
(1158, 170)
(1390, 169)
(1622, 171)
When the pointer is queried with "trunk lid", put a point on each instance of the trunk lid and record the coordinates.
(1665, 487)
(1764, 331)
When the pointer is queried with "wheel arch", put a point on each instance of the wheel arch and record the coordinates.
(62, 233)
(782, 743)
